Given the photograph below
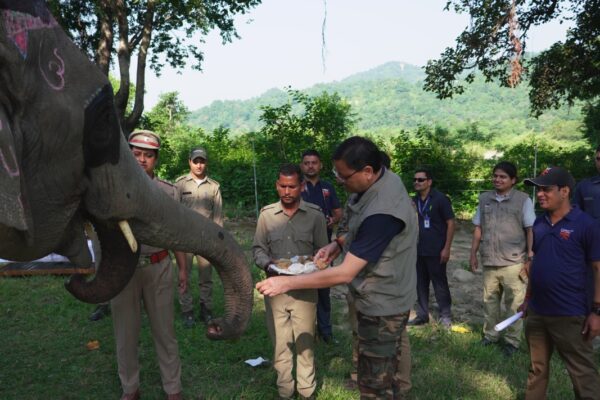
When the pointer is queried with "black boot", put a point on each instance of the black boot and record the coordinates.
(205, 314)
(101, 311)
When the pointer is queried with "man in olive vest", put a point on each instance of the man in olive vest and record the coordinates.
(504, 238)
(380, 252)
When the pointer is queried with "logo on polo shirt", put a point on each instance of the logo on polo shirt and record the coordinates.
(325, 193)
(565, 233)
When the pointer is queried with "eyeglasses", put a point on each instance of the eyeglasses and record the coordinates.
(420, 180)
(344, 178)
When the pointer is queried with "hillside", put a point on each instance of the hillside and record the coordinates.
(390, 97)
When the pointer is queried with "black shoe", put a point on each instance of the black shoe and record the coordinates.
(486, 342)
(101, 311)
(205, 314)
(509, 350)
(417, 321)
(329, 339)
(188, 319)
(446, 323)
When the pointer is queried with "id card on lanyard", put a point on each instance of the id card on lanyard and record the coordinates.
(422, 209)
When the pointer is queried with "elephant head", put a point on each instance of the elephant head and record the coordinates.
(64, 161)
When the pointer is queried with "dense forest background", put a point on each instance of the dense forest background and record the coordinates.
(459, 139)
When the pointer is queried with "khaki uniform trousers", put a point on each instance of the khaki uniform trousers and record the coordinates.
(402, 378)
(186, 300)
(291, 319)
(543, 334)
(153, 284)
(499, 281)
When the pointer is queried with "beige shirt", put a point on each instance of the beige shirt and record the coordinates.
(279, 236)
(204, 198)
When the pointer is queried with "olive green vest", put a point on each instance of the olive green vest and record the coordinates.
(503, 238)
(388, 286)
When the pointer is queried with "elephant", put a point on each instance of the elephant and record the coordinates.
(64, 162)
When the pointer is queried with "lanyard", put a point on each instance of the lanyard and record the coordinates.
(422, 207)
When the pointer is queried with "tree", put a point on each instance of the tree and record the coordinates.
(304, 122)
(166, 31)
(564, 73)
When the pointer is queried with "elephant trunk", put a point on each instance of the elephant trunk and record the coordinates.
(116, 268)
(176, 227)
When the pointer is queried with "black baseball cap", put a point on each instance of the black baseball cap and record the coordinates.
(198, 152)
(552, 176)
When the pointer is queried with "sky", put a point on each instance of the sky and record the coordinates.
(281, 45)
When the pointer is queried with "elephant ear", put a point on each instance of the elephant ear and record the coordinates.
(12, 212)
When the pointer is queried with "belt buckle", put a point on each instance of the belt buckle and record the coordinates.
(143, 261)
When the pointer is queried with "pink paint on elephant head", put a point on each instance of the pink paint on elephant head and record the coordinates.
(57, 67)
(18, 24)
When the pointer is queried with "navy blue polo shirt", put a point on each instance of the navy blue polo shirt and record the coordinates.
(323, 195)
(587, 196)
(375, 234)
(438, 209)
(560, 278)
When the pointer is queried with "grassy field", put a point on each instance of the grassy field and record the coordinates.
(44, 332)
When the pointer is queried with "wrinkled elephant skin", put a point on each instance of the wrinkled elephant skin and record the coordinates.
(64, 161)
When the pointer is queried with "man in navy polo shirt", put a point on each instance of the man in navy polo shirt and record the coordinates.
(587, 193)
(563, 295)
(436, 231)
(321, 193)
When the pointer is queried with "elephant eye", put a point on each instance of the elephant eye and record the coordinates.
(101, 130)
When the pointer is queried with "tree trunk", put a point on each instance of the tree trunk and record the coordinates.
(124, 55)
(140, 79)
(105, 21)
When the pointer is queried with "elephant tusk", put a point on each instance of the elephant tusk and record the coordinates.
(124, 225)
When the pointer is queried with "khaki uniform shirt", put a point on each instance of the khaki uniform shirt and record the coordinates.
(204, 198)
(279, 236)
(146, 250)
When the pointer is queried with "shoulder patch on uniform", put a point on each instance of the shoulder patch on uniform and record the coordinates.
(166, 182)
(269, 207)
(313, 206)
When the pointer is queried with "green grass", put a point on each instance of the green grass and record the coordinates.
(44, 332)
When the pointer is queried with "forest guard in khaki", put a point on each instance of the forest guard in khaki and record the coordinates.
(152, 286)
(285, 229)
(203, 195)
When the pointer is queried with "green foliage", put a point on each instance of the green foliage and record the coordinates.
(565, 73)
(169, 32)
(455, 169)
(391, 98)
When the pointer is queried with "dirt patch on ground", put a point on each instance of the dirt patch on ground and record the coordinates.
(466, 287)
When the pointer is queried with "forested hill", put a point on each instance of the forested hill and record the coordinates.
(390, 97)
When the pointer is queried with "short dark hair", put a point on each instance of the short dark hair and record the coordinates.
(289, 169)
(508, 167)
(358, 152)
(386, 160)
(425, 171)
(311, 152)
